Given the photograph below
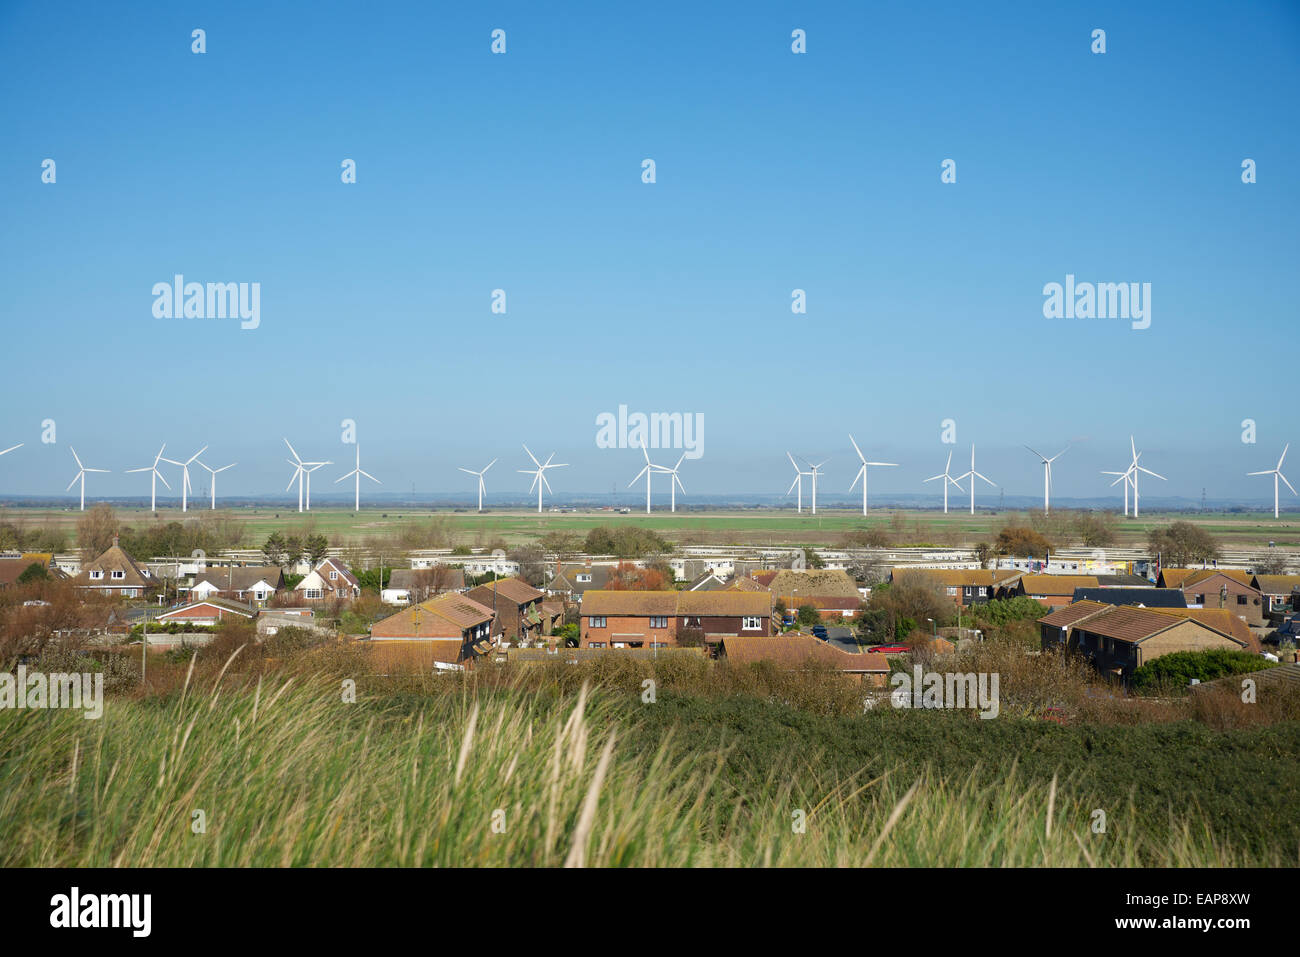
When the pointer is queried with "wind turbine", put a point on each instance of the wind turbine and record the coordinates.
(676, 482)
(798, 482)
(862, 472)
(213, 472)
(650, 469)
(153, 479)
(185, 475)
(357, 472)
(1128, 478)
(1133, 470)
(480, 480)
(539, 474)
(973, 475)
(81, 474)
(11, 448)
(1276, 472)
(302, 475)
(308, 468)
(1047, 476)
(947, 480)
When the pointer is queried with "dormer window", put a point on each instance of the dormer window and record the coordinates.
(96, 575)
(118, 574)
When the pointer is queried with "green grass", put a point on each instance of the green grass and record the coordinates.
(287, 774)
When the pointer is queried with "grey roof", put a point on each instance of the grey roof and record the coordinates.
(1150, 597)
(1126, 580)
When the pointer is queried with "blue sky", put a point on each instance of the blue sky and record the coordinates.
(775, 171)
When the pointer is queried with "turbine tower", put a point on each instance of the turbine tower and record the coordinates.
(676, 482)
(1134, 468)
(302, 475)
(862, 472)
(185, 475)
(81, 475)
(1128, 479)
(153, 479)
(1276, 472)
(308, 468)
(973, 475)
(650, 469)
(480, 480)
(947, 480)
(797, 483)
(1047, 476)
(539, 474)
(357, 473)
(213, 472)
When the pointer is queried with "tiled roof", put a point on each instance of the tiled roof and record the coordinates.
(447, 615)
(1221, 620)
(1056, 584)
(1127, 623)
(512, 589)
(1150, 597)
(641, 604)
(1072, 614)
(1277, 584)
(113, 560)
(241, 577)
(722, 603)
(956, 576)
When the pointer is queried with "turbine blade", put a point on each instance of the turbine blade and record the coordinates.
(1279, 460)
(467, 471)
(73, 482)
(296, 456)
(861, 472)
(1036, 452)
(638, 476)
(11, 448)
(793, 484)
(533, 457)
(856, 449)
(1288, 484)
(488, 466)
(371, 477)
(163, 480)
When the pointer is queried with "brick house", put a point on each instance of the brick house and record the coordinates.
(114, 573)
(656, 619)
(255, 584)
(451, 629)
(962, 586)
(518, 607)
(1218, 588)
(1120, 639)
(329, 580)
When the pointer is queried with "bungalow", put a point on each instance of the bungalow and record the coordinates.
(330, 579)
(1143, 597)
(797, 652)
(1055, 591)
(257, 584)
(517, 606)
(418, 584)
(450, 629)
(207, 611)
(114, 573)
(1276, 590)
(1120, 639)
(1217, 588)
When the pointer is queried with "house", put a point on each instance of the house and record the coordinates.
(517, 606)
(329, 580)
(114, 573)
(658, 619)
(963, 586)
(1276, 590)
(1217, 588)
(571, 582)
(418, 584)
(797, 651)
(708, 581)
(207, 611)
(832, 608)
(1054, 591)
(820, 582)
(1120, 639)
(450, 629)
(1146, 597)
(256, 584)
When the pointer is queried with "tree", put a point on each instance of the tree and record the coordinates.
(275, 549)
(1021, 540)
(910, 603)
(293, 549)
(1182, 543)
(624, 541)
(96, 530)
(532, 564)
(809, 615)
(33, 573)
(1271, 563)
(1096, 529)
(629, 577)
(316, 546)
(982, 551)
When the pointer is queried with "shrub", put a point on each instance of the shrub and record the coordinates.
(1172, 673)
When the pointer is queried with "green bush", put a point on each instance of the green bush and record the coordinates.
(1172, 673)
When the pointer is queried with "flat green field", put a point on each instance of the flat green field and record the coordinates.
(703, 527)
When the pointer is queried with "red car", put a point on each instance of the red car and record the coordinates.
(891, 650)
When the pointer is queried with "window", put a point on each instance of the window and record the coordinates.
(313, 592)
(333, 575)
(260, 595)
(584, 578)
(952, 589)
(597, 621)
(751, 623)
(595, 644)
(1200, 599)
(658, 621)
(118, 575)
(128, 592)
(96, 575)
(658, 644)
(1241, 599)
(983, 591)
